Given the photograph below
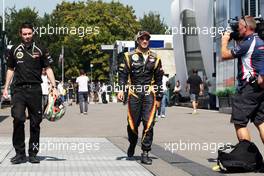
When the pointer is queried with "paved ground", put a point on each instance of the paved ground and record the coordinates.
(184, 144)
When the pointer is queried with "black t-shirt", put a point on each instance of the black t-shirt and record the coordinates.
(194, 81)
(28, 63)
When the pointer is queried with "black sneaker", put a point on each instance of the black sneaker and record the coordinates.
(33, 159)
(18, 159)
(145, 158)
(131, 151)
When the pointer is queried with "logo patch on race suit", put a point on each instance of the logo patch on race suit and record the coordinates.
(122, 65)
(19, 55)
(136, 64)
(135, 57)
(152, 60)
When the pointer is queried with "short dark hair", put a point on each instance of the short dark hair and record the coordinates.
(82, 72)
(195, 71)
(25, 25)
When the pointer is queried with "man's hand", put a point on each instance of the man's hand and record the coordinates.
(225, 37)
(54, 93)
(157, 104)
(201, 93)
(261, 81)
(5, 93)
(120, 96)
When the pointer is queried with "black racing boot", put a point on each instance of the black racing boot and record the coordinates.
(33, 159)
(145, 158)
(131, 150)
(18, 159)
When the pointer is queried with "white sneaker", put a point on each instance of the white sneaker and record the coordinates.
(163, 116)
(194, 112)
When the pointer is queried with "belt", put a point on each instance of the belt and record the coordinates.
(27, 85)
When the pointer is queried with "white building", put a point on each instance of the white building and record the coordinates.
(201, 50)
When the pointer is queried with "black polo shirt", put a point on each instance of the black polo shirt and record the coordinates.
(28, 62)
(194, 81)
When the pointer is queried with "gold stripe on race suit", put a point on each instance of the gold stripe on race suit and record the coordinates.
(151, 116)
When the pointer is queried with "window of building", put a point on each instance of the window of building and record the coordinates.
(251, 7)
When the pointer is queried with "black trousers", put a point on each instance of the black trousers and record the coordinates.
(104, 98)
(30, 97)
(141, 107)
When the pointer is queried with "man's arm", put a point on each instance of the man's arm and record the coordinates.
(51, 78)
(123, 72)
(9, 76)
(158, 74)
(261, 81)
(188, 85)
(225, 52)
(201, 89)
(11, 64)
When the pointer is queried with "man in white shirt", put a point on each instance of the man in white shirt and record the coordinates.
(61, 91)
(45, 86)
(165, 97)
(82, 82)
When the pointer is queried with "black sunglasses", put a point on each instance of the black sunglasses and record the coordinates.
(144, 38)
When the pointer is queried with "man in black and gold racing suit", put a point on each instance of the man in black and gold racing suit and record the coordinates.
(141, 72)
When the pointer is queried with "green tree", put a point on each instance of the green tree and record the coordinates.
(89, 24)
(106, 23)
(15, 18)
(153, 23)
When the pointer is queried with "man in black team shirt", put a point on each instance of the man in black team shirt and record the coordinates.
(25, 63)
(195, 86)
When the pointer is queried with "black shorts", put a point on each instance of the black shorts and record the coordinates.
(248, 104)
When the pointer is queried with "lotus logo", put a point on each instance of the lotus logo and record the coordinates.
(19, 55)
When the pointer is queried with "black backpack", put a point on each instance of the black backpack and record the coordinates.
(243, 157)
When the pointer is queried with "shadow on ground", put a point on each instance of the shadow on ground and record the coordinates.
(2, 118)
(134, 158)
(50, 158)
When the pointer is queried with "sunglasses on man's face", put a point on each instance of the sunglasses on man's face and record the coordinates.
(144, 38)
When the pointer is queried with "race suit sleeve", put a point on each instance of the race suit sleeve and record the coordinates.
(158, 74)
(123, 71)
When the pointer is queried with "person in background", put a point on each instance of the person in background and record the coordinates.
(165, 97)
(82, 82)
(103, 92)
(176, 92)
(45, 86)
(195, 88)
(70, 92)
(61, 91)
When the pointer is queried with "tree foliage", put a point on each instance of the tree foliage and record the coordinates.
(89, 24)
(15, 18)
(104, 23)
(153, 23)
